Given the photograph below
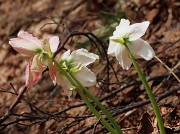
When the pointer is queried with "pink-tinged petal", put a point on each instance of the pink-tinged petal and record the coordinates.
(36, 76)
(52, 71)
(123, 58)
(30, 77)
(86, 77)
(29, 38)
(25, 43)
(122, 29)
(138, 30)
(22, 46)
(142, 49)
(54, 42)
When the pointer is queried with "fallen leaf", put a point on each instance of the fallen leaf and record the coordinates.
(146, 124)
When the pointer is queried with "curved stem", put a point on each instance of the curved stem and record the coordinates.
(149, 92)
(91, 107)
(104, 110)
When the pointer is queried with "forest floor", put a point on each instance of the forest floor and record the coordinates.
(45, 108)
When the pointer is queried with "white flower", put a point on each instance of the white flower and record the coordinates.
(77, 61)
(130, 35)
(38, 50)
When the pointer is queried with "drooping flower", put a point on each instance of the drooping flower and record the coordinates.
(39, 51)
(131, 36)
(76, 62)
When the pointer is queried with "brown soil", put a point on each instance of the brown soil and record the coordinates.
(37, 111)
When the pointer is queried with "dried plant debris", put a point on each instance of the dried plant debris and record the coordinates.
(45, 108)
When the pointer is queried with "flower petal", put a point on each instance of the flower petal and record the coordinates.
(82, 56)
(38, 65)
(66, 55)
(22, 46)
(138, 30)
(142, 49)
(61, 80)
(86, 77)
(123, 58)
(30, 77)
(29, 37)
(25, 43)
(54, 42)
(113, 46)
(122, 29)
(52, 71)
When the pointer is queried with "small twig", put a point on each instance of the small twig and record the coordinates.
(5, 91)
(15, 91)
(128, 129)
(95, 125)
(113, 93)
(73, 123)
(11, 108)
(55, 115)
(170, 70)
(89, 35)
(145, 102)
(135, 105)
(106, 55)
(128, 113)
(176, 66)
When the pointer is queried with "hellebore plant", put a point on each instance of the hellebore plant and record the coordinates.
(130, 35)
(76, 63)
(70, 71)
(126, 45)
(74, 75)
(39, 51)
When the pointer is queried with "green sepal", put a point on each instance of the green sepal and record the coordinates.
(38, 50)
(119, 40)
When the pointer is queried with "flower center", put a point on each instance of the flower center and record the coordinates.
(68, 66)
(42, 55)
(39, 50)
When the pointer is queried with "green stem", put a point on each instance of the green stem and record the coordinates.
(149, 92)
(96, 113)
(91, 107)
(104, 110)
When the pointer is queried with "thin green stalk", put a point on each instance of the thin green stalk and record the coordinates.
(104, 110)
(149, 92)
(96, 113)
(91, 107)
